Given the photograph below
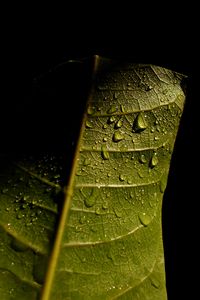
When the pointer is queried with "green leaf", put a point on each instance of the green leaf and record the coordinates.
(106, 243)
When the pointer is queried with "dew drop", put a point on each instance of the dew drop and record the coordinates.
(105, 205)
(20, 215)
(90, 110)
(118, 124)
(82, 219)
(88, 124)
(117, 137)
(156, 138)
(111, 119)
(109, 174)
(140, 123)
(121, 177)
(154, 160)
(90, 201)
(142, 159)
(112, 110)
(105, 126)
(105, 139)
(144, 219)
(86, 162)
(118, 213)
(104, 152)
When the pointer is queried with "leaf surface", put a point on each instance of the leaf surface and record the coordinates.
(107, 240)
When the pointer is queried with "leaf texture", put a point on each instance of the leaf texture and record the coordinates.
(105, 241)
(109, 239)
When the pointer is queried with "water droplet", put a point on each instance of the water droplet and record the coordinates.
(98, 211)
(129, 181)
(142, 159)
(20, 215)
(154, 160)
(82, 219)
(118, 124)
(109, 174)
(88, 124)
(111, 119)
(156, 138)
(105, 205)
(155, 281)
(90, 201)
(90, 110)
(117, 137)
(140, 123)
(121, 177)
(118, 213)
(144, 219)
(112, 109)
(18, 245)
(104, 152)
(4, 191)
(105, 126)
(105, 139)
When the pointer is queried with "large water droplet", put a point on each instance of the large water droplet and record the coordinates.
(154, 160)
(140, 123)
(144, 219)
(117, 137)
(104, 152)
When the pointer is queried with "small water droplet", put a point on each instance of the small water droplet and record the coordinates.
(4, 191)
(98, 211)
(104, 152)
(155, 281)
(118, 213)
(140, 123)
(144, 219)
(90, 110)
(82, 219)
(105, 139)
(156, 138)
(20, 215)
(142, 159)
(117, 137)
(112, 109)
(88, 124)
(111, 119)
(154, 160)
(86, 162)
(109, 174)
(105, 205)
(121, 177)
(105, 126)
(118, 124)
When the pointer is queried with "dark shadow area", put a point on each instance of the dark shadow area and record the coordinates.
(180, 205)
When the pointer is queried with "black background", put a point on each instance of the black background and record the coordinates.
(33, 47)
